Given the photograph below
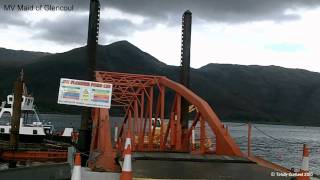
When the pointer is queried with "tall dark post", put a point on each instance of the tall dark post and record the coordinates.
(16, 114)
(185, 69)
(92, 43)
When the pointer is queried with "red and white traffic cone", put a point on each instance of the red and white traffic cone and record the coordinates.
(76, 172)
(305, 165)
(126, 173)
(128, 140)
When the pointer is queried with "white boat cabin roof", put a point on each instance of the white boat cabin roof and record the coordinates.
(26, 104)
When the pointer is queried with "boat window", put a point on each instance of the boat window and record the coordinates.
(5, 118)
(29, 117)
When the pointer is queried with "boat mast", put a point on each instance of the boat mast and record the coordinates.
(16, 114)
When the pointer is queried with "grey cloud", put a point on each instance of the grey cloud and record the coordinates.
(73, 29)
(119, 27)
(12, 19)
(63, 30)
(229, 11)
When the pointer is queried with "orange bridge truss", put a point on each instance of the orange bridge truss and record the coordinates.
(143, 98)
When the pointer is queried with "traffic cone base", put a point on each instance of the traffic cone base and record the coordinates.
(127, 167)
(305, 164)
(76, 172)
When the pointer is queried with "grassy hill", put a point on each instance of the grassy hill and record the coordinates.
(236, 92)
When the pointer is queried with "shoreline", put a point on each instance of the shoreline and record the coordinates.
(223, 121)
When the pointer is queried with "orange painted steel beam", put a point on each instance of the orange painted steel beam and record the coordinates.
(162, 111)
(268, 164)
(37, 156)
(101, 151)
(193, 125)
(179, 126)
(202, 136)
(150, 115)
(153, 131)
(225, 145)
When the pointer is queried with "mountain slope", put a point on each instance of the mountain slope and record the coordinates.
(265, 93)
(236, 92)
(9, 58)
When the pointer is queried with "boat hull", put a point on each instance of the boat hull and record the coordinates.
(24, 138)
(37, 138)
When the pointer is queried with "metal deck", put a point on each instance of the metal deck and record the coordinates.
(186, 166)
(53, 171)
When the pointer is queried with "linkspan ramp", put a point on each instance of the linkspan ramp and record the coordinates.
(161, 165)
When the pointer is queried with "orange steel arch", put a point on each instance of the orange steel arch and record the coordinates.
(136, 93)
(225, 143)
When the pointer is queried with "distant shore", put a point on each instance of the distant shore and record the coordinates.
(224, 121)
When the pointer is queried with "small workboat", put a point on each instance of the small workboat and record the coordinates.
(32, 129)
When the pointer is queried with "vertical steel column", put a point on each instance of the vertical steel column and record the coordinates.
(150, 115)
(162, 111)
(136, 116)
(15, 119)
(140, 134)
(92, 42)
(249, 139)
(179, 127)
(203, 137)
(155, 123)
(185, 71)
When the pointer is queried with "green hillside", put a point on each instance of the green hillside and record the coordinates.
(236, 92)
(10, 58)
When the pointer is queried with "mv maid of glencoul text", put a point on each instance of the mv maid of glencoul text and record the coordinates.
(40, 7)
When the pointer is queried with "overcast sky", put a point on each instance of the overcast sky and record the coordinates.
(263, 32)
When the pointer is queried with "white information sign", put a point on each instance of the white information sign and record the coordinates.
(85, 93)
